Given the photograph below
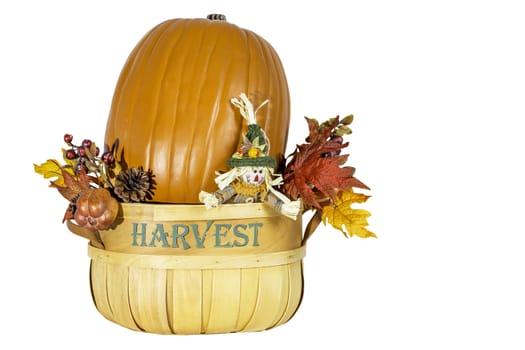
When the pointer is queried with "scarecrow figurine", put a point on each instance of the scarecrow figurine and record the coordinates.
(251, 178)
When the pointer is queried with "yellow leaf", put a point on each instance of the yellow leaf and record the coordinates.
(52, 169)
(49, 169)
(343, 217)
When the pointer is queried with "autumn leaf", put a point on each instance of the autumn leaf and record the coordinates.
(73, 186)
(68, 184)
(343, 217)
(52, 169)
(69, 214)
(49, 169)
(315, 172)
(314, 178)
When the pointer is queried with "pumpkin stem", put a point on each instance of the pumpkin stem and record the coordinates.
(216, 17)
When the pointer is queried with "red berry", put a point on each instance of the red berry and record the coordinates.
(337, 139)
(97, 152)
(80, 167)
(82, 151)
(86, 143)
(108, 158)
(71, 154)
(68, 138)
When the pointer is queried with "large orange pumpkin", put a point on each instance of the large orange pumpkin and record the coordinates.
(171, 109)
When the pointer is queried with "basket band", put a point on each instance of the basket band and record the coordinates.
(197, 262)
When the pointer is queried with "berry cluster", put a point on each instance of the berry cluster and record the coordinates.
(336, 140)
(86, 157)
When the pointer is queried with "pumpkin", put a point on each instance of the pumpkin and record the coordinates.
(96, 209)
(171, 110)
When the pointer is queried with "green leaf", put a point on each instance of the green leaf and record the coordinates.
(343, 130)
(347, 120)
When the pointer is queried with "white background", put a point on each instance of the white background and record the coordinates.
(437, 89)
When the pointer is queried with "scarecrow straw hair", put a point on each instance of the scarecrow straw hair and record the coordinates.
(246, 107)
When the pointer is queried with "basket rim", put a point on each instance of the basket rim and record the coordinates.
(169, 211)
(193, 262)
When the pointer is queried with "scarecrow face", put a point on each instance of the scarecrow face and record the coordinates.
(254, 176)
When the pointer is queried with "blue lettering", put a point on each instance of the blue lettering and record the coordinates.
(240, 234)
(219, 234)
(255, 232)
(159, 235)
(142, 235)
(176, 235)
(198, 239)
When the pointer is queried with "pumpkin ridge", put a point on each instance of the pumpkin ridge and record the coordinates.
(120, 101)
(284, 108)
(209, 126)
(234, 36)
(191, 111)
(236, 121)
(270, 109)
(179, 29)
(167, 34)
(220, 32)
(264, 115)
(141, 57)
(196, 158)
(175, 31)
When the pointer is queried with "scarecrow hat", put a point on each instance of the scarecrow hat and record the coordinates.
(255, 146)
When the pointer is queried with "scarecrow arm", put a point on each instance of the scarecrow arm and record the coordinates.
(212, 200)
(289, 209)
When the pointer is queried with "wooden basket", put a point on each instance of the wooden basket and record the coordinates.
(182, 269)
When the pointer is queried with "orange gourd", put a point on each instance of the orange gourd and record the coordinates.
(171, 110)
(96, 209)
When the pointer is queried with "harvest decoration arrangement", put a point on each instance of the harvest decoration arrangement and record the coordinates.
(314, 174)
(179, 245)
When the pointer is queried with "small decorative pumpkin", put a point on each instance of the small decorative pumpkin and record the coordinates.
(96, 209)
(171, 112)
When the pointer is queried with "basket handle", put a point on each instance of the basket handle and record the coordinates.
(92, 235)
(312, 225)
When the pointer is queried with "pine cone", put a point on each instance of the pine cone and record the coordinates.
(134, 185)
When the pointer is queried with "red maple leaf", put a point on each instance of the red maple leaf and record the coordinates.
(315, 172)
